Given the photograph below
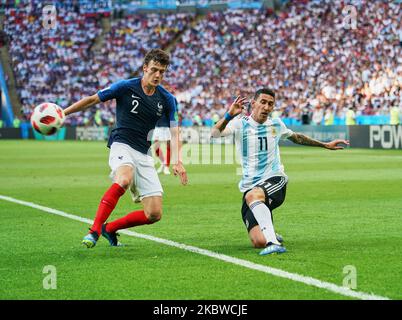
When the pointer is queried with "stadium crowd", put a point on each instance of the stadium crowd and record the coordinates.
(320, 66)
(124, 47)
(59, 64)
(316, 64)
(51, 62)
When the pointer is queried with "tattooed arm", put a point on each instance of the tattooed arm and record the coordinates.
(299, 138)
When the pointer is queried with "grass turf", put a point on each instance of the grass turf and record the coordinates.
(342, 208)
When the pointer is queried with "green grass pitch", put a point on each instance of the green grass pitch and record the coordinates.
(343, 208)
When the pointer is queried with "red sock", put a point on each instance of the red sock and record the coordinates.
(106, 206)
(136, 218)
(159, 153)
(168, 154)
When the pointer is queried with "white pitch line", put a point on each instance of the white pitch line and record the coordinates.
(244, 263)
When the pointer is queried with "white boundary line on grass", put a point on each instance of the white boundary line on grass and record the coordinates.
(244, 263)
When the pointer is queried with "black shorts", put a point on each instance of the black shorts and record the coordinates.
(275, 193)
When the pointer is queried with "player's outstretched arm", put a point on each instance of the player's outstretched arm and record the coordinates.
(299, 138)
(176, 159)
(82, 104)
(235, 109)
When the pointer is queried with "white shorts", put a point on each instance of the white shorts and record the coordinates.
(161, 134)
(145, 181)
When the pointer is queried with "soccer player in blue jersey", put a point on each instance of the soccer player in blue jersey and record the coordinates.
(264, 180)
(141, 102)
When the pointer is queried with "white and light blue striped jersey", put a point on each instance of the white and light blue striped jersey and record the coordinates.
(258, 148)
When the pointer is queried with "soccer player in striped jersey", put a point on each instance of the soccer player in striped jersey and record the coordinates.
(264, 180)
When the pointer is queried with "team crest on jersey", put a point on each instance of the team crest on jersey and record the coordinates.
(160, 109)
(273, 131)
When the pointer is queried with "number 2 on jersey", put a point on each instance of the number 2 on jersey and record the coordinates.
(135, 104)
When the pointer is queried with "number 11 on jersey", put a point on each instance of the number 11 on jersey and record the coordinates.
(263, 143)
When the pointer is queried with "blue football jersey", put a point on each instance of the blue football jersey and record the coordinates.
(138, 113)
(163, 122)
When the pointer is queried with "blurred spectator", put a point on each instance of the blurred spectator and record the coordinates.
(306, 115)
(318, 115)
(350, 117)
(3, 38)
(329, 117)
(394, 115)
(16, 122)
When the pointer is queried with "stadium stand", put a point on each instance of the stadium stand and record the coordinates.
(305, 52)
(125, 46)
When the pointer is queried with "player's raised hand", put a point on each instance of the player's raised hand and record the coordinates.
(336, 144)
(178, 169)
(237, 106)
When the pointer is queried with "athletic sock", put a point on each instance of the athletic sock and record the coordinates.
(106, 206)
(168, 154)
(159, 154)
(133, 219)
(264, 218)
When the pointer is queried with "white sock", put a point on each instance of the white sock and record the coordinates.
(264, 218)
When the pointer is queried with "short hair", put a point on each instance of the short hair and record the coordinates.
(157, 55)
(264, 91)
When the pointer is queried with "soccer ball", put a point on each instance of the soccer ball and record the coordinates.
(47, 118)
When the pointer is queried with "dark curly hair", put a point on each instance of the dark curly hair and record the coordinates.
(157, 55)
(264, 91)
